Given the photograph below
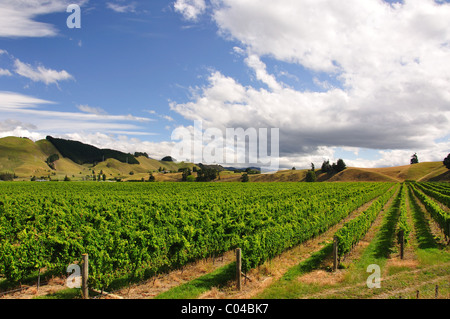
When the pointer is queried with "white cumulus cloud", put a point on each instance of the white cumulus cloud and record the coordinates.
(190, 9)
(41, 73)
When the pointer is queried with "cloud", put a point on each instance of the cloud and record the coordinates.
(386, 67)
(29, 109)
(254, 62)
(190, 9)
(167, 118)
(120, 8)
(92, 110)
(14, 101)
(4, 72)
(17, 18)
(41, 73)
(10, 124)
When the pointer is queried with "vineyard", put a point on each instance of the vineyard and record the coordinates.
(135, 231)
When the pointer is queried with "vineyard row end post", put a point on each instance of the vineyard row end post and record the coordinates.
(402, 244)
(238, 269)
(84, 277)
(335, 253)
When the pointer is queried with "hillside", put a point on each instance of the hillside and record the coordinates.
(427, 171)
(26, 159)
(81, 153)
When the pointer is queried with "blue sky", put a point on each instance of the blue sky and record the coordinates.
(365, 81)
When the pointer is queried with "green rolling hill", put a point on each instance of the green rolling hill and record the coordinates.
(78, 161)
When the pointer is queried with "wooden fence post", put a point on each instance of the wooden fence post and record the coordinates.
(402, 244)
(436, 292)
(335, 253)
(238, 269)
(39, 279)
(84, 277)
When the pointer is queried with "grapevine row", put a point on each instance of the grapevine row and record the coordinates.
(444, 199)
(352, 231)
(438, 188)
(403, 225)
(438, 214)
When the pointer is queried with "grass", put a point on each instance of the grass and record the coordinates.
(287, 287)
(194, 288)
(69, 293)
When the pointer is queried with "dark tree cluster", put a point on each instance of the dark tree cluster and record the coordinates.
(51, 160)
(185, 173)
(206, 175)
(337, 167)
(7, 176)
(137, 154)
(81, 153)
(414, 159)
(311, 174)
(447, 161)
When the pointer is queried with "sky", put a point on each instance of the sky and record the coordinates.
(367, 81)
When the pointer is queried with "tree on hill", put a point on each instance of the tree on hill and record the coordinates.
(244, 178)
(206, 174)
(7, 176)
(51, 160)
(341, 165)
(414, 159)
(185, 173)
(311, 176)
(137, 154)
(326, 167)
(333, 168)
(447, 161)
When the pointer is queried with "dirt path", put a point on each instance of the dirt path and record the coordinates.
(385, 281)
(52, 286)
(268, 273)
(147, 289)
(411, 289)
(161, 283)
